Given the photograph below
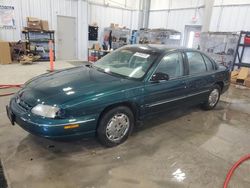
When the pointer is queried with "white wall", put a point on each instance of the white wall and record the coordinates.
(104, 15)
(230, 15)
(227, 15)
(43, 9)
(231, 2)
(129, 4)
(82, 29)
(175, 19)
(174, 4)
(172, 14)
(103, 12)
(48, 10)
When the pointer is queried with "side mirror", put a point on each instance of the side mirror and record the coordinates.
(159, 76)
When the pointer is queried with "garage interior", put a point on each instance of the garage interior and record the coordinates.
(186, 147)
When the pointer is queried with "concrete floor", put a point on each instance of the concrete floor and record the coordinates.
(18, 73)
(185, 148)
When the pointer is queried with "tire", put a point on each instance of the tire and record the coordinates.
(213, 98)
(115, 126)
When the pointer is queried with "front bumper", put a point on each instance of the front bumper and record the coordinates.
(51, 128)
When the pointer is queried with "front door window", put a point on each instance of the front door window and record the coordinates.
(172, 65)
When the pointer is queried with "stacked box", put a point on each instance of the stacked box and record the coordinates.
(5, 56)
(37, 24)
(34, 23)
(45, 25)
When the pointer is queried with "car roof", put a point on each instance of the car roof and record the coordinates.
(158, 48)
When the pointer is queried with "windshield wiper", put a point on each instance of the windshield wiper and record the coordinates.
(89, 65)
(109, 73)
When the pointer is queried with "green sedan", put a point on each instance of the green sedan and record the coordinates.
(107, 98)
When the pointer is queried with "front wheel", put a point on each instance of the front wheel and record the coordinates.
(115, 126)
(213, 98)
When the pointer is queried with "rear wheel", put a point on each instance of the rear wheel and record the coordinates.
(213, 98)
(115, 126)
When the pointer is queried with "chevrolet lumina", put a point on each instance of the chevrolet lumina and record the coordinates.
(107, 98)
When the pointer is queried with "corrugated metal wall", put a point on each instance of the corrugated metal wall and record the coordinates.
(175, 15)
(230, 18)
(174, 4)
(175, 19)
(43, 9)
(228, 15)
(129, 4)
(48, 10)
(85, 13)
(104, 15)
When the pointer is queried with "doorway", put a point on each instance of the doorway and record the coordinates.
(192, 36)
(66, 38)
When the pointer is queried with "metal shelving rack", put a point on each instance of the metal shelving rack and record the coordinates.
(240, 51)
(94, 55)
(40, 42)
(159, 36)
(120, 36)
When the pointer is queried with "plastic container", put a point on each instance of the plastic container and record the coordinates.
(247, 39)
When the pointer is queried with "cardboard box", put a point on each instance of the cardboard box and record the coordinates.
(17, 49)
(44, 25)
(97, 46)
(5, 57)
(233, 80)
(34, 23)
(32, 19)
(94, 24)
(243, 74)
(234, 74)
(247, 81)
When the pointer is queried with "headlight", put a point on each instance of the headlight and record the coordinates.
(45, 110)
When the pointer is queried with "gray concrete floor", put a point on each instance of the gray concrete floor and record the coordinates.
(18, 73)
(185, 148)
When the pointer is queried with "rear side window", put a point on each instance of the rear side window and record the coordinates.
(208, 63)
(196, 63)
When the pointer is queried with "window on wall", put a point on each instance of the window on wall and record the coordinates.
(172, 65)
(196, 63)
(190, 39)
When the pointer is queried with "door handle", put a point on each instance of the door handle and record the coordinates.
(185, 84)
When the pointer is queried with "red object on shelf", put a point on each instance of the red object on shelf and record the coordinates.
(247, 40)
(91, 58)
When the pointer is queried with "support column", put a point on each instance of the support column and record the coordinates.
(144, 11)
(207, 15)
(82, 29)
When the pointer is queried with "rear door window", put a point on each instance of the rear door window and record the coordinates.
(196, 63)
(209, 63)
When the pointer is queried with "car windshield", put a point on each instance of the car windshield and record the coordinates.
(130, 63)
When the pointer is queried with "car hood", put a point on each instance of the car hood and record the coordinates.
(67, 85)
